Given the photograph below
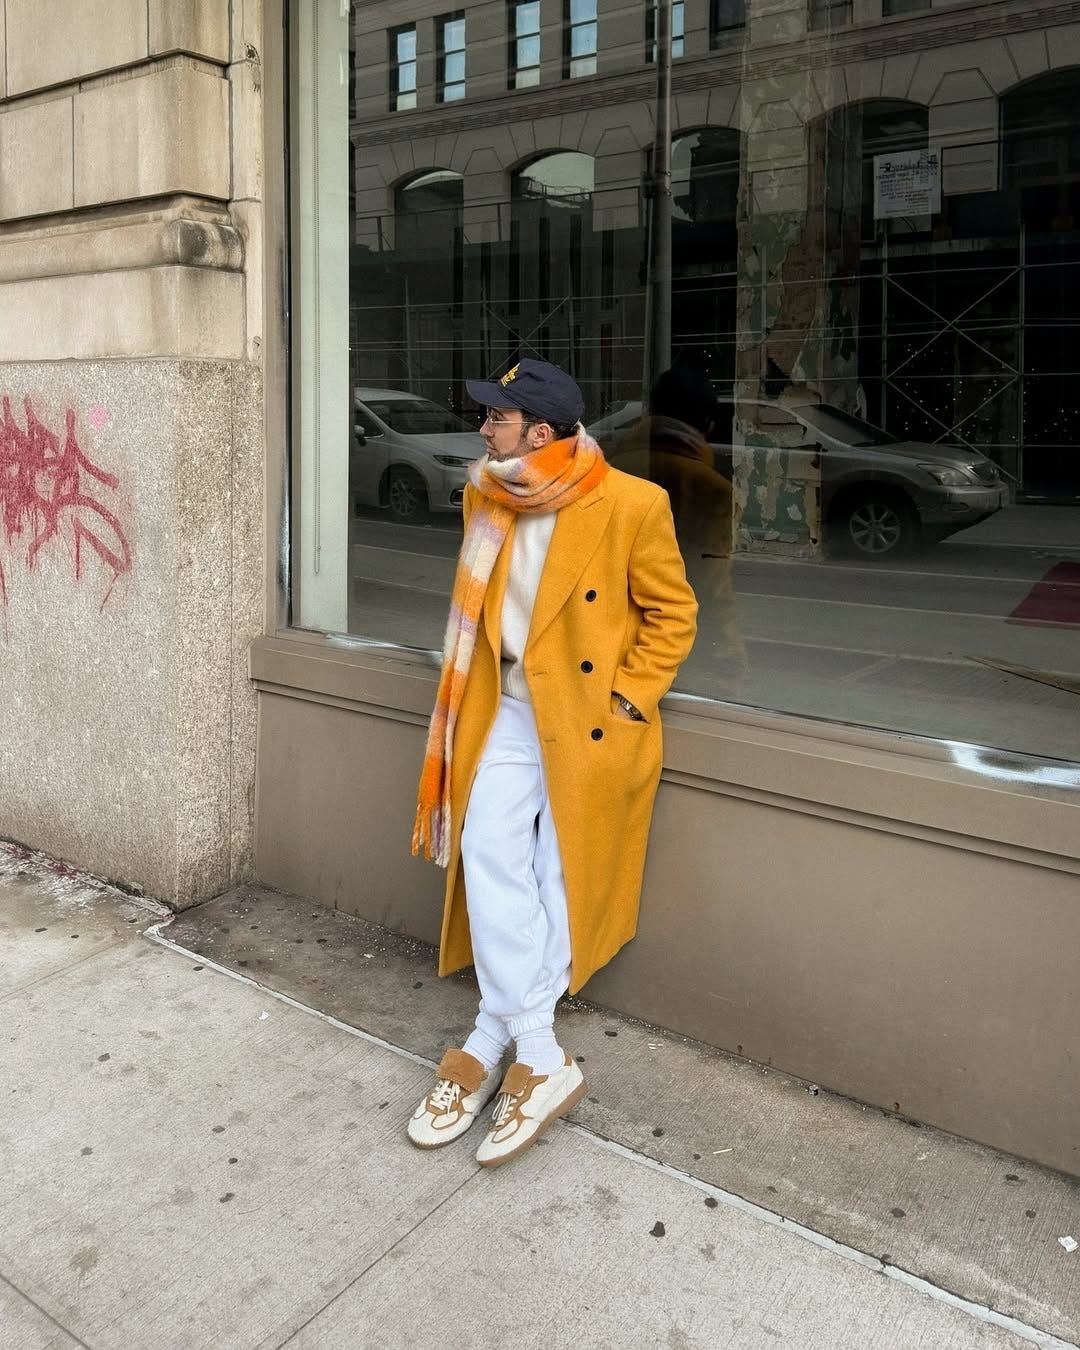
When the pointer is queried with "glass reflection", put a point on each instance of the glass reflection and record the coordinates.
(868, 420)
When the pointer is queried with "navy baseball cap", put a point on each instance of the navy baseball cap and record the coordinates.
(535, 387)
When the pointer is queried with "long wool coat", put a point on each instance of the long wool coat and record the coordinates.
(614, 613)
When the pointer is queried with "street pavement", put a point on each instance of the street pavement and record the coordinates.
(202, 1138)
(916, 645)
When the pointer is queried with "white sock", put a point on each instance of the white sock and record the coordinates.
(540, 1051)
(484, 1047)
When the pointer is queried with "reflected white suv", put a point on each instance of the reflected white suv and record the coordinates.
(408, 455)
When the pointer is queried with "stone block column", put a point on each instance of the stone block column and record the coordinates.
(131, 500)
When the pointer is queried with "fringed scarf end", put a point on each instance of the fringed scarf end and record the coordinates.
(431, 833)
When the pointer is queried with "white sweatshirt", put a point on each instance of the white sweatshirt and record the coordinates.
(532, 538)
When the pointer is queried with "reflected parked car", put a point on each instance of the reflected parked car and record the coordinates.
(408, 455)
(881, 496)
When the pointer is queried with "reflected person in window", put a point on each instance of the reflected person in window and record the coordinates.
(570, 616)
(683, 444)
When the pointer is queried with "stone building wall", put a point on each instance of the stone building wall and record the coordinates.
(131, 467)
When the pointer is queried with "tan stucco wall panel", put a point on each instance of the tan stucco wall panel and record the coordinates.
(36, 157)
(165, 131)
(891, 969)
(336, 795)
(884, 783)
(53, 41)
(127, 747)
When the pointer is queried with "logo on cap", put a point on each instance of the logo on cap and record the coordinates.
(510, 376)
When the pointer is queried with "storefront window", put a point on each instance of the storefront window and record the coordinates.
(871, 296)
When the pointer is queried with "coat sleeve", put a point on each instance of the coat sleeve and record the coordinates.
(657, 582)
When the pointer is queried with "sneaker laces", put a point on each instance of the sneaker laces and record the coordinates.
(503, 1104)
(446, 1094)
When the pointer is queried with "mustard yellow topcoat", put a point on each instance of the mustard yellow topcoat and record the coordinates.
(614, 613)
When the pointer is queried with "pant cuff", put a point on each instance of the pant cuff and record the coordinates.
(526, 1022)
(493, 1026)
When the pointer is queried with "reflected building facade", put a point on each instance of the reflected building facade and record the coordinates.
(800, 267)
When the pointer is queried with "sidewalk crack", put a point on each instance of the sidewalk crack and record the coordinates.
(381, 1257)
(44, 1312)
(61, 970)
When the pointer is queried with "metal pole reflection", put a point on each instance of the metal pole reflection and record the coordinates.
(658, 196)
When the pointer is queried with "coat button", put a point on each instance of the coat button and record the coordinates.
(586, 666)
(597, 734)
(590, 596)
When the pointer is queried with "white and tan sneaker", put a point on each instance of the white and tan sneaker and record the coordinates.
(462, 1089)
(527, 1104)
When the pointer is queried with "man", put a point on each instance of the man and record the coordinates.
(570, 616)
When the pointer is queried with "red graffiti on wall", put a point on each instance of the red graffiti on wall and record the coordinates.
(45, 496)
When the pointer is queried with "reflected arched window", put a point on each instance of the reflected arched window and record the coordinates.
(704, 248)
(426, 204)
(428, 233)
(552, 267)
(1041, 150)
(705, 175)
(412, 344)
(428, 237)
(567, 177)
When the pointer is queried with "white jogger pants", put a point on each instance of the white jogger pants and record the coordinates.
(518, 919)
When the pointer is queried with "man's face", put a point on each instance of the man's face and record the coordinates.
(508, 433)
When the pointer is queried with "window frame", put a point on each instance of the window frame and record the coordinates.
(720, 34)
(826, 16)
(571, 26)
(514, 68)
(900, 9)
(396, 65)
(442, 22)
(678, 31)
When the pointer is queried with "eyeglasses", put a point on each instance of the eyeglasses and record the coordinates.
(496, 421)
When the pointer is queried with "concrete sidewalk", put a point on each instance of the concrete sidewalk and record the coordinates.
(195, 1159)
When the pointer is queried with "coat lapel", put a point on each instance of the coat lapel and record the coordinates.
(577, 534)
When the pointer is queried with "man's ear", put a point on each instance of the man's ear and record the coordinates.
(540, 433)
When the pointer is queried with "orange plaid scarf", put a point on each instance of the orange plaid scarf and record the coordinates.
(548, 479)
